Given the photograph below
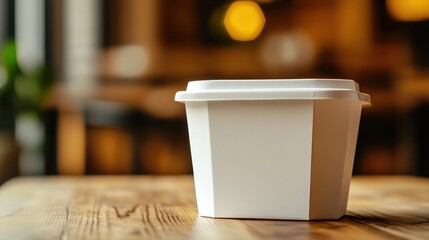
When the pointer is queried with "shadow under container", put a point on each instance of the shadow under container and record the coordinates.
(273, 149)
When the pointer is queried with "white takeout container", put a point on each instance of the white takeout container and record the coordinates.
(273, 149)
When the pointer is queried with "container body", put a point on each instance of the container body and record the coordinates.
(273, 149)
(273, 159)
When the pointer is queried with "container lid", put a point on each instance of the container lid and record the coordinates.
(273, 89)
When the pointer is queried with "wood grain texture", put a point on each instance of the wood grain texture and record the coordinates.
(144, 207)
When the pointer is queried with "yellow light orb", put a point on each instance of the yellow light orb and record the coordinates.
(244, 20)
(408, 10)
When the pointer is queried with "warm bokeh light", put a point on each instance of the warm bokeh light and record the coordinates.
(127, 61)
(289, 51)
(409, 10)
(244, 20)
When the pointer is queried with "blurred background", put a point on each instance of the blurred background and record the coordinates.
(87, 86)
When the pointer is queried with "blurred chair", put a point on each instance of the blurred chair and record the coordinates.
(126, 140)
(111, 138)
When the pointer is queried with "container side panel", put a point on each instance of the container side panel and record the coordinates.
(355, 112)
(199, 136)
(261, 153)
(330, 141)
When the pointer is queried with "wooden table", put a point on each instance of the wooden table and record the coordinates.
(145, 207)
